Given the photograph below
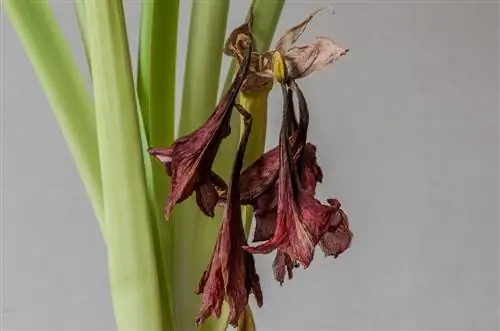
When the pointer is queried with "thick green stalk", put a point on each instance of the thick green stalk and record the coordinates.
(64, 87)
(156, 93)
(131, 255)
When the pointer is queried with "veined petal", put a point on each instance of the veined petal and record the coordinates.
(231, 274)
(303, 60)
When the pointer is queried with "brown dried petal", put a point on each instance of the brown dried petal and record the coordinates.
(292, 35)
(303, 60)
(238, 39)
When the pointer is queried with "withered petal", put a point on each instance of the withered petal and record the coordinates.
(282, 265)
(206, 198)
(164, 156)
(236, 42)
(293, 34)
(301, 219)
(304, 60)
(231, 274)
(192, 155)
(338, 238)
(212, 287)
(265, 226)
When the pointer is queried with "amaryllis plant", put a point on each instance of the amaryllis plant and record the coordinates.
(162, 219)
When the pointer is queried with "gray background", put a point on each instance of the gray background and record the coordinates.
(407, 132)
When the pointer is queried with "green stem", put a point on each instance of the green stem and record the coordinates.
(156, 94)
(64, 87)
(131, 255)
(256, 104)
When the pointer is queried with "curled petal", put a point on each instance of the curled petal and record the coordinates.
(231, 274)
(163, 155)
(189, 161)
(304, 60)
(292, 35)
(238, 39)
(338, 238)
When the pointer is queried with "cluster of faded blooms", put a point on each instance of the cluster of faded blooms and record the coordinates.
(280, 185)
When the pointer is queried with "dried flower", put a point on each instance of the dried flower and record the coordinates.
(299, 61)
(231, 274)
(189, 160)
(301, 220)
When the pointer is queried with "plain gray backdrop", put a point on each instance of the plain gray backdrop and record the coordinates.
(407, 133)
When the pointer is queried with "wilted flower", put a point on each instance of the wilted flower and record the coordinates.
(301, 220)
(300, 61)
(189, 160)
(231, 274)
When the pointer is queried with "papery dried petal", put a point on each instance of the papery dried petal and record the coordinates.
(235, 44)
(304, 60)
(292, 35)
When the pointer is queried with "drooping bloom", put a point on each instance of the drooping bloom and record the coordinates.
(189, 160)
(337, 235)
(231, 274)
(301, 220)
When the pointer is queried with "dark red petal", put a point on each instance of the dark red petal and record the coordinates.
(259, 176)
(310, 222)
(192, 155)
(338, 238)
(264, 226)
(213, 294)
(206, 198)
(218, 182)
(282, 265)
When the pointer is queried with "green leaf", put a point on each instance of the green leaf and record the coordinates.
(64, 87)
(81, 18)
(132, 257)
(156, 93)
